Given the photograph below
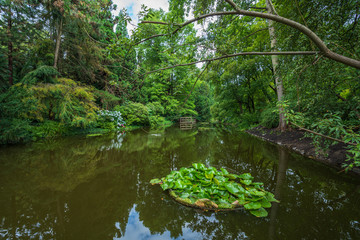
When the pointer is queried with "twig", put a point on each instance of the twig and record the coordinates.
(322, 135)
(207, 64)
(235, 55)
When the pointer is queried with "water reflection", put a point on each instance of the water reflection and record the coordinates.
(135, 229)
(97, 188)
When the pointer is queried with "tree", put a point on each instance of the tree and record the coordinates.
(201, 15)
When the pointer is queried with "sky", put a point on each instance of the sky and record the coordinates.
(134, 6)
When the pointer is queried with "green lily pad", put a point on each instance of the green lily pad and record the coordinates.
(265, 203)
(208, 188)
(261, 212)
(155, 181)
(252, 205)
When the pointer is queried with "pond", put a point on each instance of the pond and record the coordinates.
(98, 188)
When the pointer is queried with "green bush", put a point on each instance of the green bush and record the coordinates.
(156, 121)
(14, 130)
(134, 113)
(269, 118)
(110, 120)
(248, 120)
(155, 108)
(48, 129)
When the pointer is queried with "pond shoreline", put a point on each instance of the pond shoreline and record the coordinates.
(295, 140)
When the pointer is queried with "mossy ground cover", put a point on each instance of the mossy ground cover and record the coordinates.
(210, 189)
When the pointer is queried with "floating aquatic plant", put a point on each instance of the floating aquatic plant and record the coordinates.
(210, 189)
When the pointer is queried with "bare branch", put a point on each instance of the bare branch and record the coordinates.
(234, 55)
(151, 37)
(183, 24)
(163, 23)
(322, 135)
(261, 8)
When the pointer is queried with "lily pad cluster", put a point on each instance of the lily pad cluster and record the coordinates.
(211, 189)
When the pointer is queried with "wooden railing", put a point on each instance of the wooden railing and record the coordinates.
(187, 123)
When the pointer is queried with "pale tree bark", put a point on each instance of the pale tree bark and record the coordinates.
(58, 43)
(275, 63)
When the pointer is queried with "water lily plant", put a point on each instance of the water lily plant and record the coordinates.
(211, 189)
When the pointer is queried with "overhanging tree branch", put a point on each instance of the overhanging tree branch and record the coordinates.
(192, 89)
(310, 34)
(234, 55)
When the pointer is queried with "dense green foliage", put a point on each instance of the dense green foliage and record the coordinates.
(208, 188)
(61, 61)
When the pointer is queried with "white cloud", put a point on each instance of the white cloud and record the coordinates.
(134, 7)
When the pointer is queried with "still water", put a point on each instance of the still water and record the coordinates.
(98, 188)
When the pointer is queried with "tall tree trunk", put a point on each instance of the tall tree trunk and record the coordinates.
(275, 63)
(58, 42)
(10, 48)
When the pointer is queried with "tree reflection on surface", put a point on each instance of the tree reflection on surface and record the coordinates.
(98, 188)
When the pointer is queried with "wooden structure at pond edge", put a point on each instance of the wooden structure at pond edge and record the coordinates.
(187, 123)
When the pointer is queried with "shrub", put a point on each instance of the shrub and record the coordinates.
(155, 108)
(269, 117)
(48, 129)
(110, 120)
(156, 121)
(134, 113)
(14, 130)
(65, 101)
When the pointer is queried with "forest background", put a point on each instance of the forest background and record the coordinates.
(70, 66)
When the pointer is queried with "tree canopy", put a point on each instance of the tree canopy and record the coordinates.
(235, 62)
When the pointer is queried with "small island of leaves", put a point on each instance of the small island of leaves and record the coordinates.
(210, 189)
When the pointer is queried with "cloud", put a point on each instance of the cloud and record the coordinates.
(134, 7)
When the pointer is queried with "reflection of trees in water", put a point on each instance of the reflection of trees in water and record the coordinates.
(84, 188)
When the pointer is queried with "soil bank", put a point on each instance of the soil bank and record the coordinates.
(296, 141)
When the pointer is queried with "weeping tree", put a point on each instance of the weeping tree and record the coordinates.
(204, 9)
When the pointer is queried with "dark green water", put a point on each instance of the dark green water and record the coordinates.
(98, 188)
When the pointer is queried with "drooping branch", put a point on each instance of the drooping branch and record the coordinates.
(180, 26)
(163, 23)
(151, 37)
(192, 89)
(322, 135)
(234, 55)
(310, 34)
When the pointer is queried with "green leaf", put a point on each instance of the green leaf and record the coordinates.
(209, 175)
(179, 184)
(261, 212)
(155, 181)
(234, 188)
(165, 186)
(224, 171)
(246, 176)
(199, 166)
(231, 176)
(265, 203)
(270, 197)
(256, 193)
(252, 205)
(246, 182)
